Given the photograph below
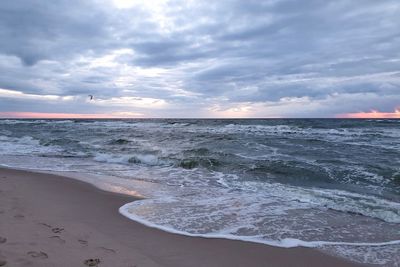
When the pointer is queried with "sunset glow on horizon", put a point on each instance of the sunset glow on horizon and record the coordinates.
(373, 114)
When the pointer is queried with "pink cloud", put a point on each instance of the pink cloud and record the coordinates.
(373, 114)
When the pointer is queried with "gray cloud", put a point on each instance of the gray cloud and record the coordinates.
(37, 30)
(205, 54)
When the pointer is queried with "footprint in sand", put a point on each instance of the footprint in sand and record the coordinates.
(19, 216)
(107, 249)
(45, 224)
(3, 262)
(57, 230)
(92, 262)
(3, 240)
(83, 242)
(38, 255)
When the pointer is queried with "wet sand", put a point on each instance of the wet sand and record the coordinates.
(50, 220)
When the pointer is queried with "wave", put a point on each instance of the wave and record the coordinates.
(139, 158)
(191, 163)
(369, 206)
(25, 145)
(284, 243)
(59, 142)
(33, 121)
(119, 141)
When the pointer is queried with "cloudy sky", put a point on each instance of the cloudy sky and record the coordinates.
(225, 58)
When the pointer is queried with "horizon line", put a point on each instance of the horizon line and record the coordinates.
(131, 115)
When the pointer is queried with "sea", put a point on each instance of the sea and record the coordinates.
(331, 184)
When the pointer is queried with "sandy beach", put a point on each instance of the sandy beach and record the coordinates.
(50, 220)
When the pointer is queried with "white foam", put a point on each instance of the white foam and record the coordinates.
(283, 243)
(147, 159)
(25, 145)
(110, 158)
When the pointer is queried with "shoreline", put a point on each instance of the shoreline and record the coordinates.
(53, 220)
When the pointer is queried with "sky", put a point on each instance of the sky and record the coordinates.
(225, 58)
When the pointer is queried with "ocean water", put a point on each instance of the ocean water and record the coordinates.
(325, 183)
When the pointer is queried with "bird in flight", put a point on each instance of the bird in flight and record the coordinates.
(91, 97)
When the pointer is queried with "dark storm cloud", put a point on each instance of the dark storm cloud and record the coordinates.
(204, 53)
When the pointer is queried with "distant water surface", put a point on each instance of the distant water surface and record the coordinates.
(327, 183)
